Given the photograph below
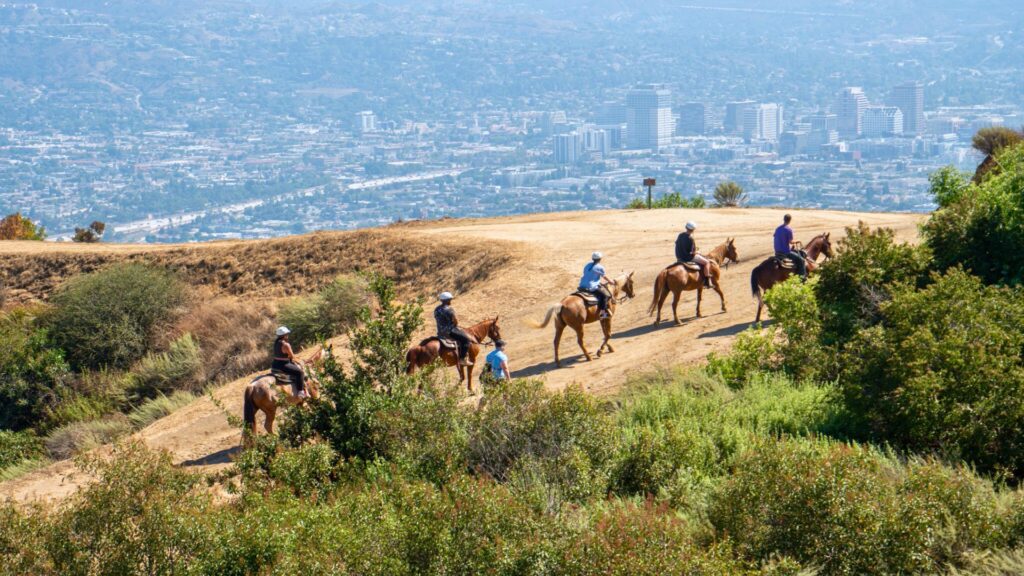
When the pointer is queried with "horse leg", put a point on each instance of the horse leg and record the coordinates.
(676, 296)
(661, 301)
(720, 293)
(559, 328)
(606, 327)
(579, 340)
(760, 304)
(268, 423)
(700, 294)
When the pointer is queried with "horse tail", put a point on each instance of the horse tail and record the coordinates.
(660, 284)
(547, 317)
(755, 288)
(249, 405)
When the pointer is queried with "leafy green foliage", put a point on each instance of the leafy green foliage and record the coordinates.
(162, 373)
(944, 371)
(670, 200)
(33, 376)
(333, 310)
(107, 318)
(18, 446)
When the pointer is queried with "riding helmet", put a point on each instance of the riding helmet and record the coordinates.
(445, 296)
(281, 331)
(691, 225)
(596, 256)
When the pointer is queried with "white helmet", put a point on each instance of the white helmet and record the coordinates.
(282, 331)
(691, 225)
(445, 296)
(596, 256)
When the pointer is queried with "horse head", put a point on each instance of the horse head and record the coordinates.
(627, 286)
(826, 245)
(493, 331)
(730, 251)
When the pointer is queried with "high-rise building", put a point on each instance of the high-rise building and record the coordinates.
(882, 121)
(794, 142)
(694, 119)
(554, 122)
(734, 114)
(850, 110)
(823, 122)
(762, 122)
(568, 148)
(597, 141)
(366, 121)
(909, 98)
(648, 118)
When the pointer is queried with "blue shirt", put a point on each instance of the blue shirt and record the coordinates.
(494, 359)
(784, 239)
(592, 274)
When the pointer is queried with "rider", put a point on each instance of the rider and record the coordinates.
(591, 282)
(448, 328)
(285, 361)
(785, 247)
(686, 251)
(498, 362)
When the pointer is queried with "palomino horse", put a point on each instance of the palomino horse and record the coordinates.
(574, 312)
(262, 394)
(769, 272)
(677, 278)
(430, 349)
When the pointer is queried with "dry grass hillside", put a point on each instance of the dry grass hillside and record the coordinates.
(515, 268)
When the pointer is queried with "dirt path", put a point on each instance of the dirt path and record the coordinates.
(554, 248)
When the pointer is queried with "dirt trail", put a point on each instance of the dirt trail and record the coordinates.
(552, 250)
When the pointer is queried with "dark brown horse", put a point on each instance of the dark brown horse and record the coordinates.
(262, 394)
(677, 278)
(430, 349)
(575, 313)
(769, 272)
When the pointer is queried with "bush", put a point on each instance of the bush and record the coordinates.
(752, 352)
(670, 200)
(17, 227)
(234, 337)
(944, 371)
(18, 446)
(158, 407)
(80, 437)
(851, 510)
(162, 373)
(107, 318)
(333, 310)
(729, 195)
(33, 376)
(794, 307)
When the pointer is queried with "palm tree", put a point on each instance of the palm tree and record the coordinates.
(729, 195)
(989, 141)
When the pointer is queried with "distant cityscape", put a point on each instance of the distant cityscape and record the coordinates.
(221, 132)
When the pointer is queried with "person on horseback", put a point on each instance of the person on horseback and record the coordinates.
(686, 251)
(497, 362)
(593, 281)
(285, 361)
(448, 328)
(785, 247)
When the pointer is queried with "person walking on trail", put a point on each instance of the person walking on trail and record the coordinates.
(785, 247)
(592, 282)
(497, 362)
(448, 328)
(686, 251)
(285, 361)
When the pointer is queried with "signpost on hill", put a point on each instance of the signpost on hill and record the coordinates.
(649, 182)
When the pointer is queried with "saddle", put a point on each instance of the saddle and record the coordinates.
(787, 263)
(588, 298)
(688, 265)
(444, 342)
(282, 378)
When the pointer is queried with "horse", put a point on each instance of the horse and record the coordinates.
(677, 278)
(430, 349)
(262, 394)
(574, 312)
(768, 273)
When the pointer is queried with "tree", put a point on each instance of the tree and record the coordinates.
(17, 227)
(94, 233)
(729, 195)
(990, 141)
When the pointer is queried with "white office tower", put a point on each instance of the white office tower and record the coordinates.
(909, 98)
(734, 115)
(597, 141)
(648, 118)
(850, 110)
(762, 122)
(568, 148)
(694, 119)
(882, 121)
(366, 121)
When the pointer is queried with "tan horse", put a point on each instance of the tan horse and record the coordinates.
(574, 312)
(768, 273)
(262, 394)
(430, 350)
(677, 278)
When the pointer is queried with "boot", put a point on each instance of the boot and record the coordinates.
(465, 362)
(707, 281)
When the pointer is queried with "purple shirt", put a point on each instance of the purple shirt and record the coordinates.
(783, 239)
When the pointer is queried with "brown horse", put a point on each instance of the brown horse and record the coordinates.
(677, 278)
(575, 313)
(430, 349)
(768, 273)
(262, 394)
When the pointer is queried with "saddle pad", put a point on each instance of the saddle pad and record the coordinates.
(785, 263)
(588, 298)
(688, 265)
(281, 377)
(445, 342)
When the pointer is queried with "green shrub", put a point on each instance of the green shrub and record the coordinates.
(669, 200)
(80, 437)
(161, 373)
(944, 371)
(307, 470)
(107, 318)
(156, 408)
(794, 307)
(729, 194)
(333, 310)
(752, 352)
(33, 376)
(851, 510)
(18, 446)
